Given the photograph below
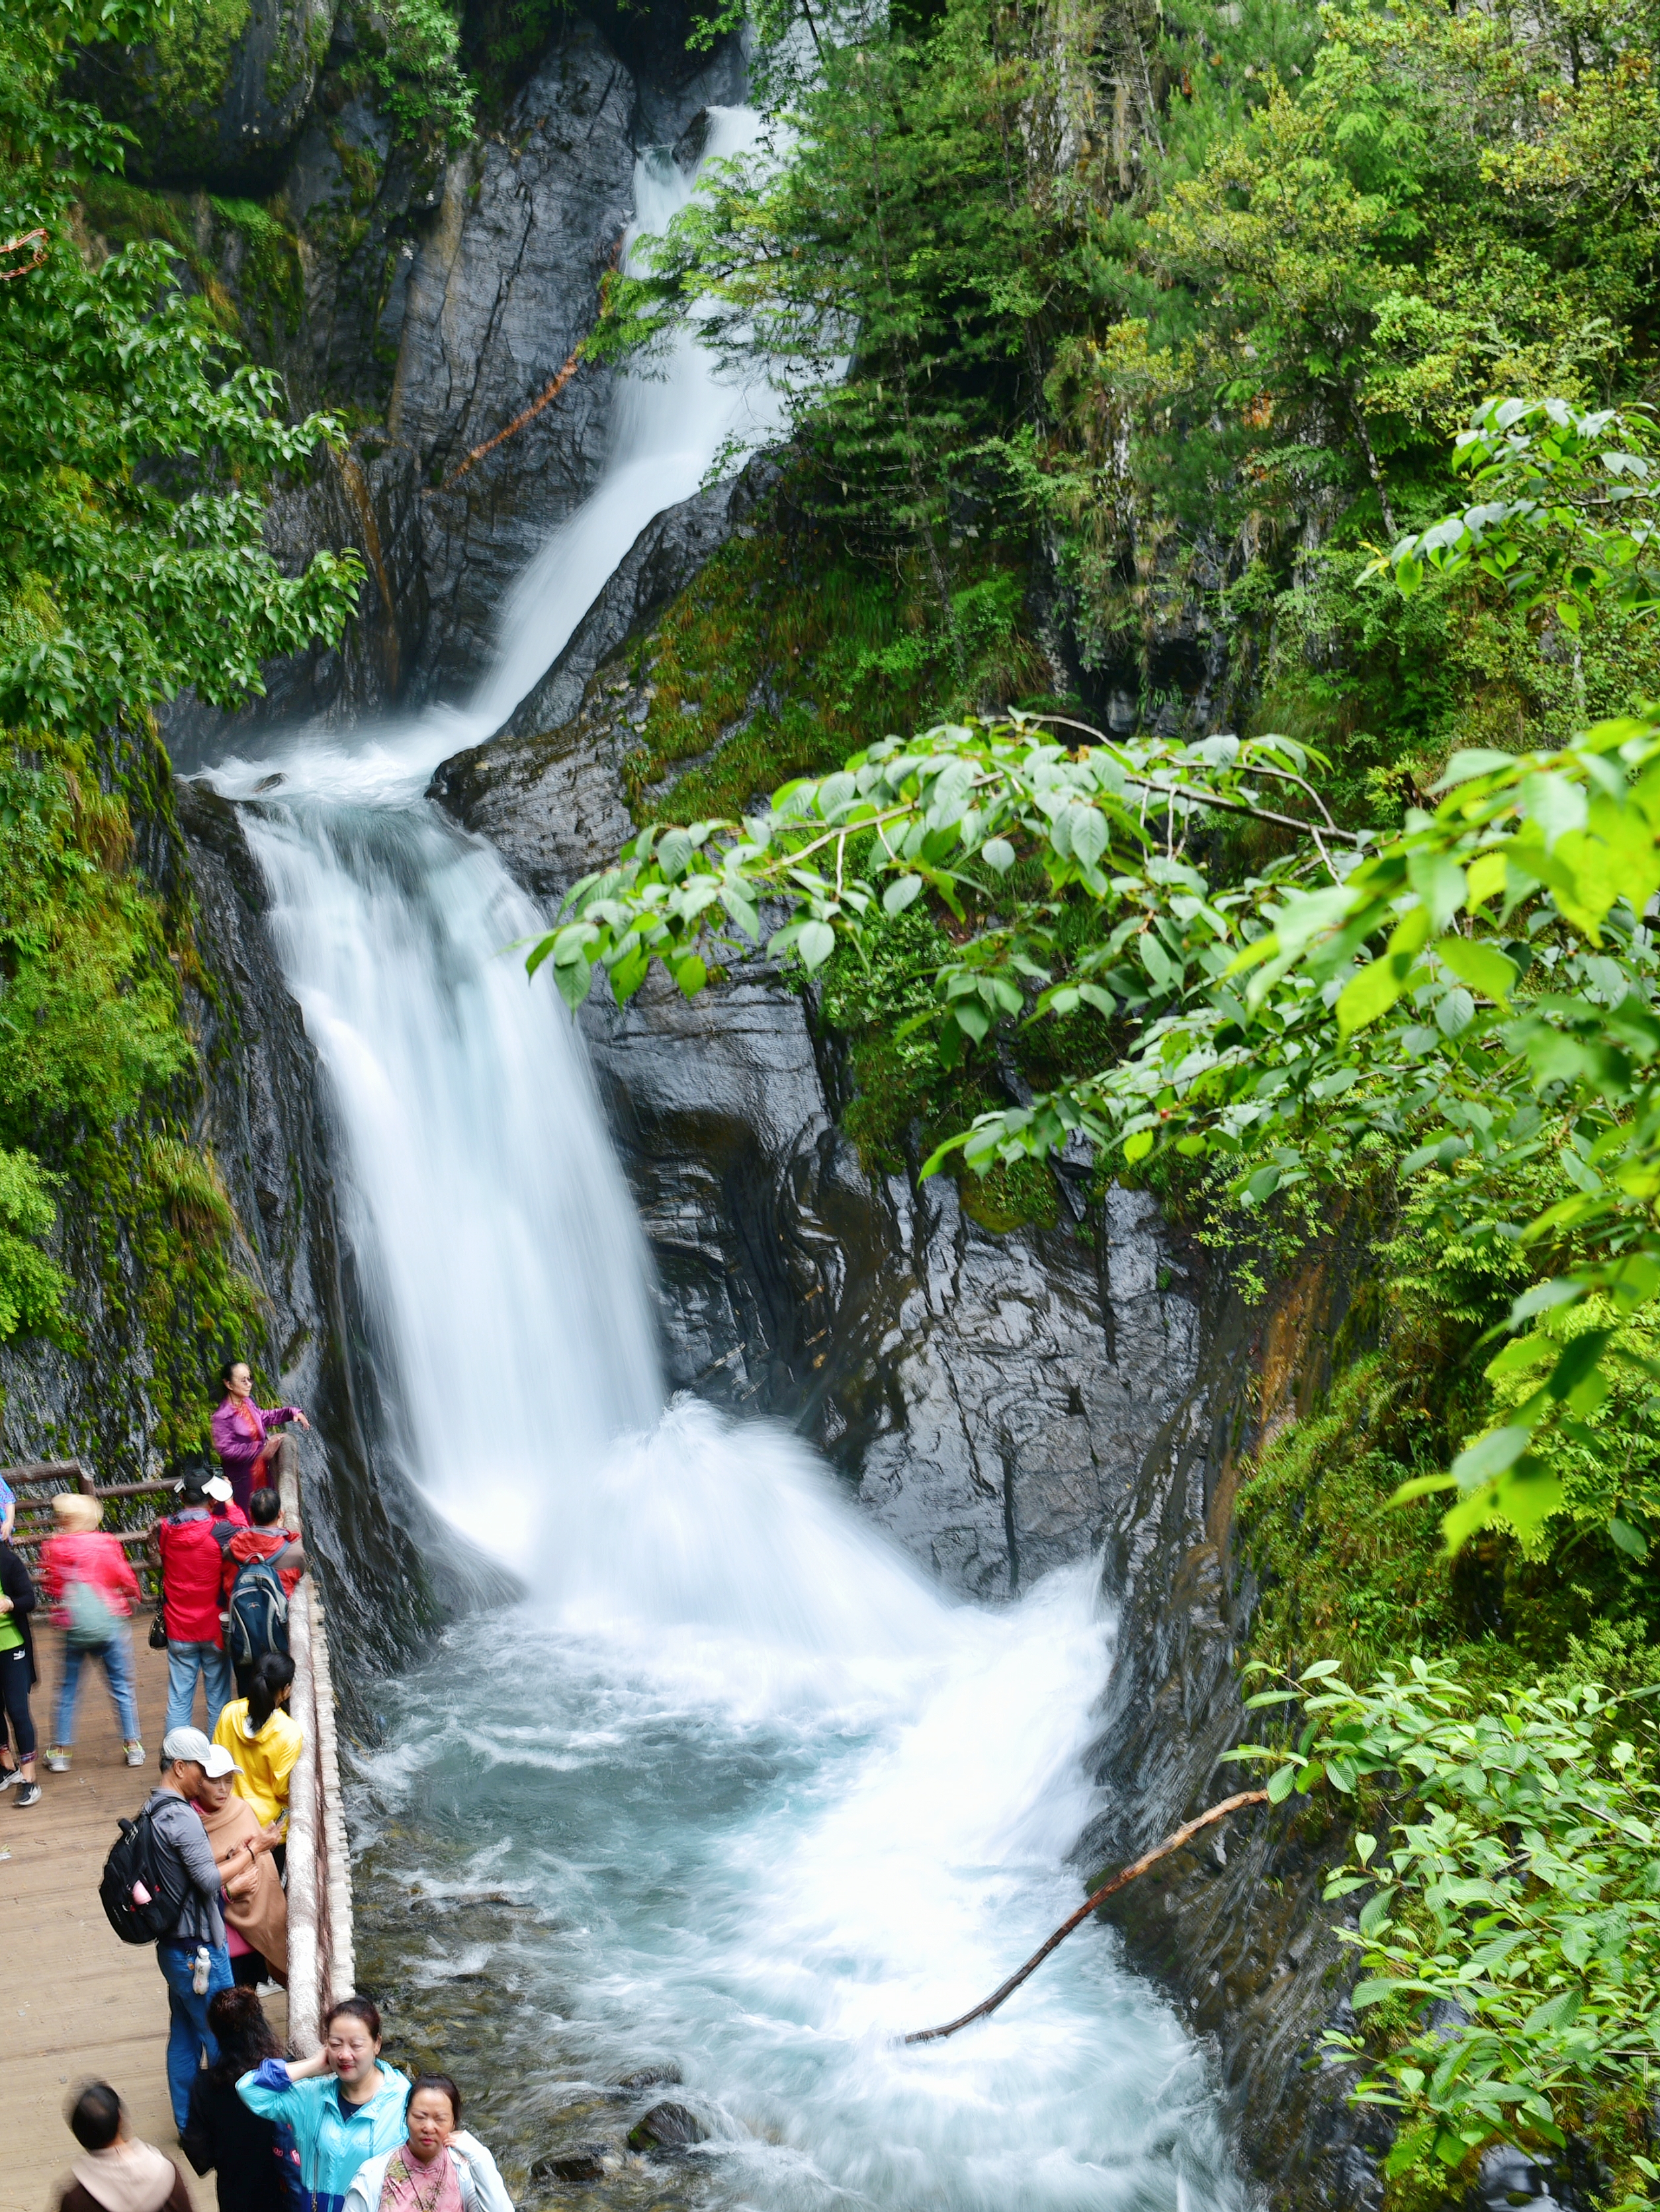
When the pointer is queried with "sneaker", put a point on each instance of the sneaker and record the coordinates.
(29, 1793)
(57, 1759)
(135, 1751)
(8, 1775)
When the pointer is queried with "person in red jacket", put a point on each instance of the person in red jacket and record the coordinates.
(92, 1588)
(192, 1545)
(264, 1538)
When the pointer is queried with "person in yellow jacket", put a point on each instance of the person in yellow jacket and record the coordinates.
(263, 1738)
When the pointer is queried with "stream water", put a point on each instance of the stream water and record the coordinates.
(735, 1795)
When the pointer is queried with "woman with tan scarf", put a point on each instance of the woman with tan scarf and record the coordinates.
(256, 1910)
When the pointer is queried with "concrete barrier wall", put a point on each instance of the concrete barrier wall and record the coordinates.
(321, 1964)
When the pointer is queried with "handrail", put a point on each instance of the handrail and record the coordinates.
(321, 1958)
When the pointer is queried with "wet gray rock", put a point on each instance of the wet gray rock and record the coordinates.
(666, 2128)
(674, 80)
(580, 2162)
(648, 2077)
(992, 1396)
(499, 294)
(221, 96)
(1234, 1926)
(362, 201)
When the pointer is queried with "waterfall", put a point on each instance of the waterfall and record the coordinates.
(763, 1796)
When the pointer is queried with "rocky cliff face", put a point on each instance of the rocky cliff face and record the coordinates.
(992, 1396)
(256, 1115)
(1234, 1926)
(441, 300)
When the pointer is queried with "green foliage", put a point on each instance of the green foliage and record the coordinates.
(408, 56)
(32, 1288)
(1357, 990)
(876, 993)
(891, 273)
(1345, 228)
(132, 562)
(133, 458)
(1512, 1865)
(780, 651)
(190, 47)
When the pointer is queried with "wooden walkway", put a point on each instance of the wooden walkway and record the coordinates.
(74, 2002)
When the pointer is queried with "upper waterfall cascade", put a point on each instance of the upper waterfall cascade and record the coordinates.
(770, 1797)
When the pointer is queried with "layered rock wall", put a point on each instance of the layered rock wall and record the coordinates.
(1234, 1927)
(992, 1396)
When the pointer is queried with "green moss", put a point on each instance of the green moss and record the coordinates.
(784, 656)
(1348, 1577)
(1342, 1578)
(272, 280)
(124, 214)
(99, 1086)
(191, 55)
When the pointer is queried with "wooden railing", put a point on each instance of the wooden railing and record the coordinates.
(321, 1962)
(44, 1477)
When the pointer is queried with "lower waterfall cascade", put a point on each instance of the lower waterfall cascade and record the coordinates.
(754, 1797)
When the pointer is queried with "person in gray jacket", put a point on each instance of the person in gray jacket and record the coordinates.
(411, 2177)
(194, 1962)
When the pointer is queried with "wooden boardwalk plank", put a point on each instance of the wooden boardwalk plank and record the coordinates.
(76, 2002)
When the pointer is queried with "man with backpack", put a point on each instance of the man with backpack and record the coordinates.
(262, 1563)
(192, 1543)
(185, 1885)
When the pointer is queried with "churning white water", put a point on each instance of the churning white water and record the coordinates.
(767, 1797)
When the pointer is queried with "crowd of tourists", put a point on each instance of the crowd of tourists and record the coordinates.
(201, 1872)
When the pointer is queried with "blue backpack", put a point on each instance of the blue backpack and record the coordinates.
(258, 1620)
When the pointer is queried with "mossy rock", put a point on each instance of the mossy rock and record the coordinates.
(219, 97)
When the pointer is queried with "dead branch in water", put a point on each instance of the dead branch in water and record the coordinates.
(1183, 1834)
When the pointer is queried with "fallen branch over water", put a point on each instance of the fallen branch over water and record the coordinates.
(1183, 1834)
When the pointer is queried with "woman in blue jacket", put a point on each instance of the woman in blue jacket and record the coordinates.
(343, 2106)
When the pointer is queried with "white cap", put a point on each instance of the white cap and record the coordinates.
(218, 1485)
(190, 1744)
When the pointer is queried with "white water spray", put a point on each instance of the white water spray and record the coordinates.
(779, 1799)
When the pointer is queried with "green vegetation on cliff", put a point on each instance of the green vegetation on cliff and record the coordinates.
(134, 455)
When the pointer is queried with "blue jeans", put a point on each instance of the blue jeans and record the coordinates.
(188, 2037)
(117, 1655)
(183, 1661)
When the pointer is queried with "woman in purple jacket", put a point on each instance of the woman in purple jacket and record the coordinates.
(251, 1456)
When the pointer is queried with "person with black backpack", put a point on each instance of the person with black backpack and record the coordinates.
(262, 1563)
(190, 1945)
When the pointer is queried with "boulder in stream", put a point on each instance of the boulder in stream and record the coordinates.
(576, 2162)
(667, 2127)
